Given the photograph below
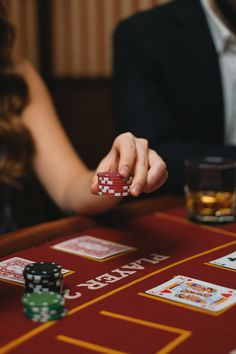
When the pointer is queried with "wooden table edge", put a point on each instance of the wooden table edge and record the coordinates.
(35, 235)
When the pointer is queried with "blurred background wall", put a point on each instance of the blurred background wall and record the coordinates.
(70, 43)
(79, 32)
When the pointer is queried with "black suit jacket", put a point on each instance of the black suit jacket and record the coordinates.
(167, 85)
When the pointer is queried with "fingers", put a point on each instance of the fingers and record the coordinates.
(125, 147)
(121, 158)
(150, 170)
(157, 173)
(131, 156)
(140, 169)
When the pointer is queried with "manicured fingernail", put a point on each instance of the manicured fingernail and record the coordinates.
(124, 171)
(136, 189)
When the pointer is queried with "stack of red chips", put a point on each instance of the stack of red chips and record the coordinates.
(111, 183)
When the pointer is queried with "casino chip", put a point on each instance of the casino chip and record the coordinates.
(112, 184)
(44, 306)
(43, 277)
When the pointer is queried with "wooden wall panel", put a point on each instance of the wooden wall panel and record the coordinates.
(82, 34)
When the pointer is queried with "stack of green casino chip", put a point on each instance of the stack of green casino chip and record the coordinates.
(44, 306)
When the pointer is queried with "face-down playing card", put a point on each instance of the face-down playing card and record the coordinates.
(12, 269)
(92, 247)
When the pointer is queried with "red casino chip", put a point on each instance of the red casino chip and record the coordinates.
(116, 183)
(109, 174)
(115, 180)
(118, 188)
(111, 183)
(117, 194)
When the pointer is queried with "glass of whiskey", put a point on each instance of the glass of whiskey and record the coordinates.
(210, 189)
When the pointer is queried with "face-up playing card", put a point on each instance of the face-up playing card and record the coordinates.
(12, 269)
(228, 261)
(92, 247)
(195, 293)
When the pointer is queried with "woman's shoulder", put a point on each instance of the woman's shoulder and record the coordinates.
(23, 67)
(32, 77)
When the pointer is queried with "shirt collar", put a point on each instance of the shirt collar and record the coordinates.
(222, 36)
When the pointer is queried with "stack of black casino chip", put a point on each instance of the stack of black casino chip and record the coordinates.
(43, 277)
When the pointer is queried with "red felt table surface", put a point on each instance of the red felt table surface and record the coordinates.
(115, 316)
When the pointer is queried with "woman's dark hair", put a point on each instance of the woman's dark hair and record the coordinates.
(16, 145)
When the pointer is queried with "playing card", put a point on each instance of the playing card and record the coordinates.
(92, 247)
(12, 269)
(227, 261)
(196, 293)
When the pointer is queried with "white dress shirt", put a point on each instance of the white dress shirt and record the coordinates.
(225, 44)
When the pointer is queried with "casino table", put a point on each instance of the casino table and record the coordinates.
(108, 309)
